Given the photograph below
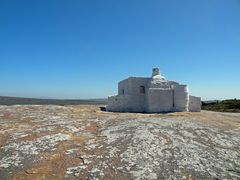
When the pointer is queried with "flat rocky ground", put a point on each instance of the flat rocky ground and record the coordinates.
(83, 142)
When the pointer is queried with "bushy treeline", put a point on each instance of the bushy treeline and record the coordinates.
(230, 105)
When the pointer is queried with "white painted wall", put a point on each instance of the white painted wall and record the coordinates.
(181, 98)
(194, 104)
(124, 86)
(119, 103)
(160, 95)
(159, 100)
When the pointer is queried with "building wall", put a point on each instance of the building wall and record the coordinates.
(136, 82)
(119, 103)
(181, 98)
(138, 90)
(194, 104)
(159, 100)
(124, 86)
(133, 87)
(132, 98)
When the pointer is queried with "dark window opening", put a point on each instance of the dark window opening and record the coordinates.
(142, 89)
(123, 91)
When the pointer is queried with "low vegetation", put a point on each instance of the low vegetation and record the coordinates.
(231, 105)
(62, 102)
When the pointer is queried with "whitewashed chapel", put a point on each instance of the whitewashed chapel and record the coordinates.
(152, 95)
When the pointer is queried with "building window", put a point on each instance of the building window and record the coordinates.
(142, 89)
(123, 91)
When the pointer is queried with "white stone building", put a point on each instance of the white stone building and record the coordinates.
(152, 95)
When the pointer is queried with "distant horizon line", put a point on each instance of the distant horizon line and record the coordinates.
(52, 98)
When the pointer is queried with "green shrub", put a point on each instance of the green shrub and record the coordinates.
(230, 105)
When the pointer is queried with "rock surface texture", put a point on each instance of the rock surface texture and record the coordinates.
(83, 142)
(152, 95)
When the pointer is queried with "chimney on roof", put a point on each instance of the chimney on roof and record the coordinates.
(155, 72)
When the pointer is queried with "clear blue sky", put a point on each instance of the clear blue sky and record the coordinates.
(81, 49)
